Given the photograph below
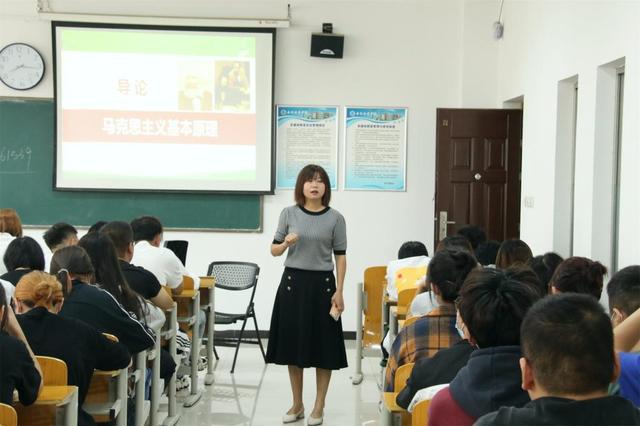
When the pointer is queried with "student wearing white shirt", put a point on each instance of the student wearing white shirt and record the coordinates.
(162, 262)
(412, 254)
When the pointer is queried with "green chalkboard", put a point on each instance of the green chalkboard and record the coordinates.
(26, 184)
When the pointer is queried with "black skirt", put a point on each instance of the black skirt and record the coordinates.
(302, 332)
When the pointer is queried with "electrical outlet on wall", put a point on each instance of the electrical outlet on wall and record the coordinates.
(528, 202)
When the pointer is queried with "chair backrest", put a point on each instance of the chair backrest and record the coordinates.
(420, 415)
(407, 277)
(402, 374)
(54, 371)
(234, 275)
(8, 415)
(405, 297)
(179, 247)
(374, 285)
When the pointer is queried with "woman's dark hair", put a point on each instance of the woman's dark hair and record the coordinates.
(309, 172)
(474, 234)
(447, 271)
(3, 304)
(455, 242)
(108, 273)
(74, 260)
(487, 252)
(493, 303)
(579, 275)
(544, 266)
(96, 227)
(513, 252)
(412, 249)
(24, 252)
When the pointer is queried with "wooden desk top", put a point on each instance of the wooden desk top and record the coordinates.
(207, 282)
(54, 395)
(186, 294)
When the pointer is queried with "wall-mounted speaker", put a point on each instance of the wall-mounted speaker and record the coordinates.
(325, 45)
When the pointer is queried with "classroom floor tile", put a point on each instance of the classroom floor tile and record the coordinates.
(258, 394)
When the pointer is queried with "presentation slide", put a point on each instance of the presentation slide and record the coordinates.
(163, 108)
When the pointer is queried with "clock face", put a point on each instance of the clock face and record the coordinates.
(21, 66)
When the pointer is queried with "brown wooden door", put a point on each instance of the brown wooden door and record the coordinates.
(478, 162)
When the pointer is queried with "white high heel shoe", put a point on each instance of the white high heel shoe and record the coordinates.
(294, 417)
(315, 421)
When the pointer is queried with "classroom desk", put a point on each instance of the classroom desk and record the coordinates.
(58, 396)
(207, 286)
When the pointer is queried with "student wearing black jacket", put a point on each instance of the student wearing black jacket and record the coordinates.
(568, 361)
(94, 306)
(80, 346)
(22, 256)
(437, 370)
(19, 369)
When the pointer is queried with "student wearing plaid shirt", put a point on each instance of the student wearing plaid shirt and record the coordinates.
(437, 329)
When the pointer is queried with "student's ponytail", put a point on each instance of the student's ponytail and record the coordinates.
(447, 271)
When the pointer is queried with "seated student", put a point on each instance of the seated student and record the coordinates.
(436, 330)
(567, 363)
(19, 369)
(578, 275)
(108, 276)
(544, 266)
(23, 255)
(492, 305)
(512, 253)
(624, 299)
(412, 254)
(162, 262)
(10, 228)
(487, 252)
(39, 297)
(95, 306)
(60, 235)
(139, 279)
(474, 234)
(107, 273)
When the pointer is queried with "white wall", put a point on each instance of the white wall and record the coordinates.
(545, 42)
(397, 53)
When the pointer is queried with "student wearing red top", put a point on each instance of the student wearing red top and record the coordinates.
(492, 306)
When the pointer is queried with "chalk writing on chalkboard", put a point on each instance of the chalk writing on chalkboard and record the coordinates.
(15, 160)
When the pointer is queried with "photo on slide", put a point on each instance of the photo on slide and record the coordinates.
(195, 79)
(233, 88)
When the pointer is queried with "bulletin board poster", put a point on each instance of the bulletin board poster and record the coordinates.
(375, 149)
(306, 135)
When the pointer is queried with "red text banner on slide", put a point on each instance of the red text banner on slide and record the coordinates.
(158, 127)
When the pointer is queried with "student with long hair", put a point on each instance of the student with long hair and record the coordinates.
(95, 306)
(107, 272)
(513, 253)
(19, 369)
(306, 330)
(39, 297)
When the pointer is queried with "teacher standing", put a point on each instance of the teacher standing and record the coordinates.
(306, 330)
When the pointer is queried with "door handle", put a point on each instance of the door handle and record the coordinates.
(442, 228)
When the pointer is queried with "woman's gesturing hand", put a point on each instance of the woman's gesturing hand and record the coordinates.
(291, 239)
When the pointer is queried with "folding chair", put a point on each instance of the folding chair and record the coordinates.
(54, 371)
(236, 276)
